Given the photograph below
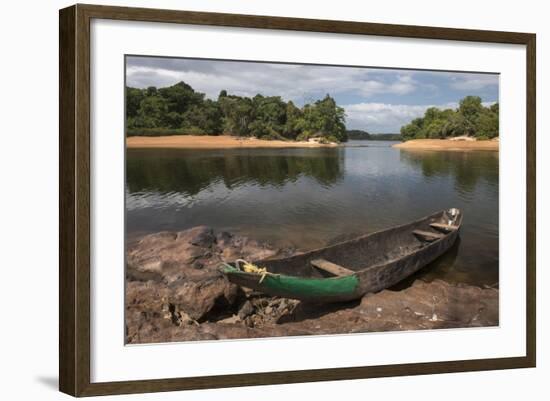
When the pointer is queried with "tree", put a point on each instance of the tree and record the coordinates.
(269, 117)
(470, 107)
(435, 129)
(458, 125)
(151, 91)
(172, 119)
(237, 114)
(324, 119)
(152, 112)
(205, 118)
(487, 124)
(180, 97)
(294, 119)
(413, 130)
(134, 97)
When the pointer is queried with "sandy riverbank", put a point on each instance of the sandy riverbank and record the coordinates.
(213, 142)
(447, 144)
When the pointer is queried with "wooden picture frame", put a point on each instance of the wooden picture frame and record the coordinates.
(74, 204)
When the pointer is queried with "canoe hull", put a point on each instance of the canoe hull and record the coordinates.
(385, 276)
(379, 260)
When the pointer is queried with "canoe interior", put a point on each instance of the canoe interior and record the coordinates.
(370, 250)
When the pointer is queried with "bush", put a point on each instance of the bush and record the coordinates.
(304, 136)
(194, 131)
(273, 136)
(156, 131)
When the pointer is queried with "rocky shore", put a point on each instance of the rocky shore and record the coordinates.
(175, 292)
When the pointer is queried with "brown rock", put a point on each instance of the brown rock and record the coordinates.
(246, 310)
(172, 279)
(230, 320)
(201, 236)
(173, 256)
(197, 298)
(223, 239)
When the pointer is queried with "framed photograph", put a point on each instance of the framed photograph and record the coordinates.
(250, 200)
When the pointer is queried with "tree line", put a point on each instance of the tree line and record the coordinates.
(359, 134)
(179, 109)
(471, 118)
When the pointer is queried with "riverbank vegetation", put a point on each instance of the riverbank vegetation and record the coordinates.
(179, 109)
(471, 119)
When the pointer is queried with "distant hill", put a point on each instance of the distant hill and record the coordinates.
(386, 137)
(358, 134)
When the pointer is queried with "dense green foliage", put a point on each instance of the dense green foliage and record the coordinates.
(471, 118)
(178, 109)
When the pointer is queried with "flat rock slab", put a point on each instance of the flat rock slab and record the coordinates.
(175, 292)
(181, 271)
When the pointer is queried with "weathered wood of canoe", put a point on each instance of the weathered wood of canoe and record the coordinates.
(444, 227)
(331, 268)
(428, 235)
(377, 261)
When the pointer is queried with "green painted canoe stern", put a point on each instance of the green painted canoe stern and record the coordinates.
(303, 288)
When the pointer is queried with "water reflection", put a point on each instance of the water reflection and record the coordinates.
(307, 198)
(467, 168)
(189, 172)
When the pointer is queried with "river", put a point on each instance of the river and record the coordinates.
(310, 197)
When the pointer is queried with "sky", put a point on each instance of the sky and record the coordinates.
(375, 100)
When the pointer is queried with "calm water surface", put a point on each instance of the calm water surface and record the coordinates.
(308, 198)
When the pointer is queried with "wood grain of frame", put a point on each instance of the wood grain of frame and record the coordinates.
(74, 199)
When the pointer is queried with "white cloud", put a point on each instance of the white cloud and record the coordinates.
(295, 82)
(469, 82)
(387, 118)
(203, 82)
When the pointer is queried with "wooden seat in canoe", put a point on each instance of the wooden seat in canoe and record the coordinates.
(428, 235)
(332, 268)
(444, 227)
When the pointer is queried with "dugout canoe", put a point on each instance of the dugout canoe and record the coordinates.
(351, 269)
